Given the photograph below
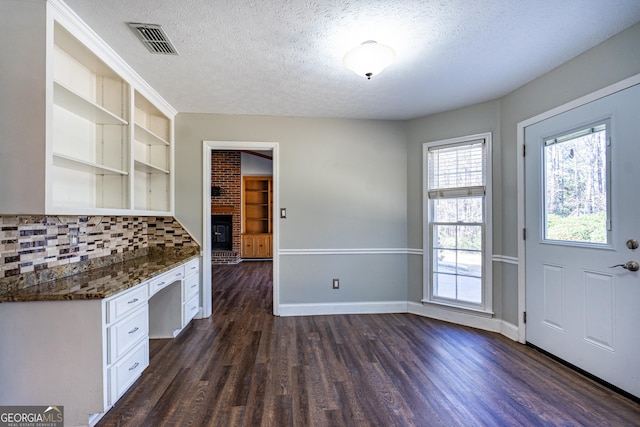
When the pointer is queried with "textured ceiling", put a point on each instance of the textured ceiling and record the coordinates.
(284, 58)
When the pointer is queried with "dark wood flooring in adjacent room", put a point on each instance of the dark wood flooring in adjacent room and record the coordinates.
(245, 367)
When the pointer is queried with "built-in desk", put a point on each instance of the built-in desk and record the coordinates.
(83, 340)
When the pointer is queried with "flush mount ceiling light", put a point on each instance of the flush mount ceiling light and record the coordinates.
(369, 59)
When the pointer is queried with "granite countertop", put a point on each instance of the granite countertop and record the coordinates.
(103, 282)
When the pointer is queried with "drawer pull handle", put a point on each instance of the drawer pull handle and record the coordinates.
(133, 301)
(161, 284)
(134, 330)
(194, 286)
(194, 267)
(178, 274)
(135, 365)
(194, 307)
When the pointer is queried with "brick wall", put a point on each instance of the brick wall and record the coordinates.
(226, 173)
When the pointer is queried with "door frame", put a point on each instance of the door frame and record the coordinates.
(207, 148)
(521, 127)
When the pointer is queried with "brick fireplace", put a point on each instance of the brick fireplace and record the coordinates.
(226, 187)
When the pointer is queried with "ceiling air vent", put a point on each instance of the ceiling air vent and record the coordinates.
(154, 38)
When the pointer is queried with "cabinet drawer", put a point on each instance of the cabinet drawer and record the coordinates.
(191, 287)
(192, 267)
(120, 306)
(190, 309)
(127, 333)
(166, 279)
(127, 370)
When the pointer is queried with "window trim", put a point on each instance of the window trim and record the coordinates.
(486, 307)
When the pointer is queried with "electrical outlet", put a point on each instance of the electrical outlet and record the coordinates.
(73, 237)
(336, 283)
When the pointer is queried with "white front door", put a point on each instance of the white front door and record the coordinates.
(582, 206)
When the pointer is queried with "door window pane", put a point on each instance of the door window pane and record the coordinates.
(576, 184)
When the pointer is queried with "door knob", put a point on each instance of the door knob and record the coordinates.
(632, 244)
(629, 265)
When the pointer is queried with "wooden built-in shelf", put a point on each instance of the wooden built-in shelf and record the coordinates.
(256, 217)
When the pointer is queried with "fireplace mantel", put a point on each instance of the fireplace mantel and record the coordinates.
(222, 210)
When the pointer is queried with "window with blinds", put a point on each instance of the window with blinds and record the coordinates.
(456, 206)
(457, 170)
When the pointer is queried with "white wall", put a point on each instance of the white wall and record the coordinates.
(343, 183)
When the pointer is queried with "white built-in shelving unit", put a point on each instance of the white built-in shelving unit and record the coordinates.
(152, 156)
(100, 140)
(90, 144)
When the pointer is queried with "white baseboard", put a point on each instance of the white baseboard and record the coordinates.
(342, 308)
(434, 312)
(466, 319)
(509, 330)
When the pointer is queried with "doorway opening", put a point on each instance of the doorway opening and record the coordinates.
(226, 216)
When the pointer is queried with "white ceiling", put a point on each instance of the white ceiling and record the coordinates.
(284, 58)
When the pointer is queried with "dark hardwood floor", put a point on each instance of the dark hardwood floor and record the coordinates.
(245, 367)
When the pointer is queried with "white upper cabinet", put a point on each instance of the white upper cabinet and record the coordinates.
(83, 134)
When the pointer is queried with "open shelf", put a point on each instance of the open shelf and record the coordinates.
(151, 156)
(145, 167)
(85, 166)
(77, 104)
(80, 53)
(147, 137)
(256, 217)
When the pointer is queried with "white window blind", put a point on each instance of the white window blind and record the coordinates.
(457, 170)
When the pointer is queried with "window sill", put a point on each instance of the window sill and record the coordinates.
(468, 310)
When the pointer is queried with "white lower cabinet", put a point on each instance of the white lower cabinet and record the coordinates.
(191, 291)
(190, 309)
(127, 332)
(124, 335)
(166, 279)
(126, 370)
(125, 302)
(85, 354)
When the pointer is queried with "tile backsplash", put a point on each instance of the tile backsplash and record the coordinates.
(32, 243)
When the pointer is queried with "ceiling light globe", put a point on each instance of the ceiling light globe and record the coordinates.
(369, 59)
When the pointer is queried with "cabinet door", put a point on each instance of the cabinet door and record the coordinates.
(263, 246)
(248, 246)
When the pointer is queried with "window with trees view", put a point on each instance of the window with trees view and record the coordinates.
(576, 180)
(456, 207)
